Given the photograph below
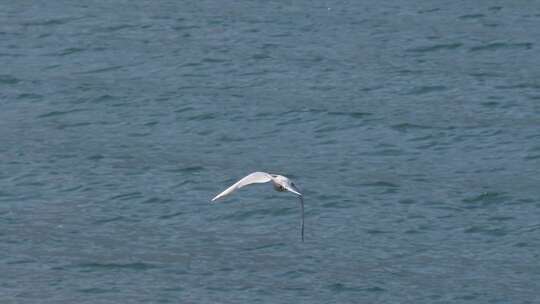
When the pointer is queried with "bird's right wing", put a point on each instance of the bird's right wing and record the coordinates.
(253, 178)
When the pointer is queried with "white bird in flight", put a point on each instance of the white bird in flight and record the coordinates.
(280, 182)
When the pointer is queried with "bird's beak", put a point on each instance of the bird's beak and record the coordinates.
(294, 190)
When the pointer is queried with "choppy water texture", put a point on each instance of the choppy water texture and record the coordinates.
(413, 128)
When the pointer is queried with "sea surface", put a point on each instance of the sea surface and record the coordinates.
(411, 127)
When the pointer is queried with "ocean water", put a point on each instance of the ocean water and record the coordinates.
(412, 128)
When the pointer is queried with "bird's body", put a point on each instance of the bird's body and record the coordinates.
(280, 183)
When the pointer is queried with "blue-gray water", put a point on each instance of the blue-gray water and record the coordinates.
(412, 127)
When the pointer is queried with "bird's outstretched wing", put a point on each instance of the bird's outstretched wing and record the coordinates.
(253, 178)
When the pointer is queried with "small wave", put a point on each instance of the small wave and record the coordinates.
(59, 113)
(322, 88)
(102, 70)
(214, 60)
(260, 56)
(184, 109)
(155, 200)
(501, 218)
(95, 157)
(72, 189)
(242, 215)
(21, 261)
(436, 47)
(172, 215)
(115, 266)
(523, 85)
(377, 231)
(340, 287)
(73, 125)
(407, 201)
(185, 27)
(266, 246)
(69, 51)
(490, 104)
(381, 184)
(49, 22)
(409, 126)
(96, 290)
(31, 96)
(127, 196)
(10, 55)
(356, 115)
(471, 16)
(204, 116)
(8, 79)
(532, 157)
(501, 45)
(118, 27)
(486, 231)
(110, 220)
(431, 10)
(426, 90)
(189, 169)
(337, 205)
(485, 74)
(484, 197)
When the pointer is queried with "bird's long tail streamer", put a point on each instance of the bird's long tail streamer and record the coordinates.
(302, 206)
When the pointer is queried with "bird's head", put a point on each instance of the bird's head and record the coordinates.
(281, 183)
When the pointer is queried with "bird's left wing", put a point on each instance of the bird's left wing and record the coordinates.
(253, 178)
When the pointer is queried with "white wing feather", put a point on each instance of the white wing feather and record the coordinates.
(253, 178)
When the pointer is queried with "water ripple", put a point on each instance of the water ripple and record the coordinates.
(136, 266)
(436, 47)
(494, 46)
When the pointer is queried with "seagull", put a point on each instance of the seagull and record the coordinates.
(280, 182)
